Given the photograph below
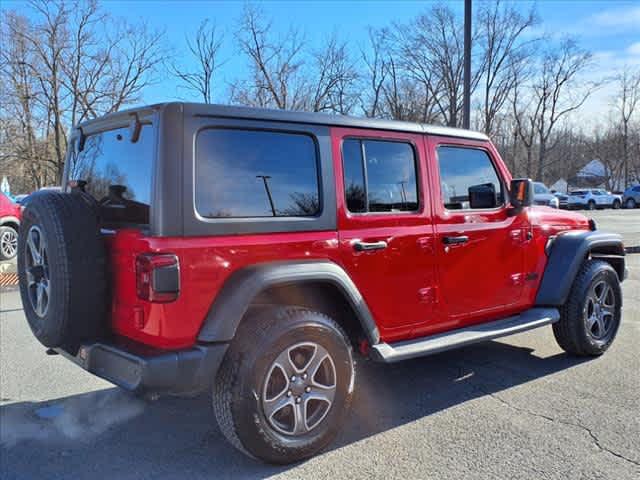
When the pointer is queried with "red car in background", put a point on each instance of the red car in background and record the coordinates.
(9, 222)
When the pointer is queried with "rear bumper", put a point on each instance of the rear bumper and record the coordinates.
(140, 369)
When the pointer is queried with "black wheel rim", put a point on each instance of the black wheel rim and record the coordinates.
(599, 310)
(37, 271)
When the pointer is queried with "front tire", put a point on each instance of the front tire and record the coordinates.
(285, 385)
(630, 203)
(616, 204)
(590, 318)
(591, 205)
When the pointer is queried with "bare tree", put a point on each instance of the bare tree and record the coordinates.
(19, 104)
(555, 91)
(626, 103)
(65, 69)
(136, 59)
(334, 79)
(376, 69)
(431, 48)
(275, 65)
(205, 50)
(505, 53)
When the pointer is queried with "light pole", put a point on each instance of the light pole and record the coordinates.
(266, 187)
(403, 192)
(466, 96)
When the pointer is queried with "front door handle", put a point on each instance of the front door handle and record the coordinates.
(455, 240)
(369, 246)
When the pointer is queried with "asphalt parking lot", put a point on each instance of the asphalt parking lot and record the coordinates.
(515, 408)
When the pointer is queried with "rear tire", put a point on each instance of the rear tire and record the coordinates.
(630, 203)
(590, 318)
(591, 205)
(255, 378)
(616, 204)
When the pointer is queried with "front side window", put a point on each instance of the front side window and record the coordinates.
(466, 175)
(379, 176)
(255, 173)
(117, 173)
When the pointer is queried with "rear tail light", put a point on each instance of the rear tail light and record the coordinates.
(158, 277)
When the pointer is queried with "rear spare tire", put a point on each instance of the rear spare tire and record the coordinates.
(61, 267)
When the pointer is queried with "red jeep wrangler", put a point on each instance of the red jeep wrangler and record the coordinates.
(250, 252)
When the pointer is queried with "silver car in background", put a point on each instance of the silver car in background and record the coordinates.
(543, 196)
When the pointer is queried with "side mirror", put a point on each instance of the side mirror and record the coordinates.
(521, 193)
(483, 196)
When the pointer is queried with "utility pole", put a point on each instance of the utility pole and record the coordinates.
(466, 99)
(266, 187)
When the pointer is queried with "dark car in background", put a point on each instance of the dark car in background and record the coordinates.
(563, 199)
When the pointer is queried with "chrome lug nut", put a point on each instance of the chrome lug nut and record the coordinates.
(307, 389)
(293, 378)
(298, 399)
(304, 376)
(289, 393)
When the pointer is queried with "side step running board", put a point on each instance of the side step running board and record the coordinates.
(528, 320)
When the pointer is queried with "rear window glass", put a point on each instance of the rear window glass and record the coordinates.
(254, 173)
(118, 173)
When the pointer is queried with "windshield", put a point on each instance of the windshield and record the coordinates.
(117, 173)
(539, 188)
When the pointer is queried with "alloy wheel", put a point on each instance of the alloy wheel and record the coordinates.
(37, 271)
(599, 310)
(299, 389)
(9, 243)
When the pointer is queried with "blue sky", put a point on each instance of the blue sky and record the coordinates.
(609, 28)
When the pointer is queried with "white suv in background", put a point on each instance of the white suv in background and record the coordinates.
(593, 198)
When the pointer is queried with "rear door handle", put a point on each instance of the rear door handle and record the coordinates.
(455, 240)
(369, 246)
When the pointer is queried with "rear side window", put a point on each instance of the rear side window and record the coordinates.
(254, 173)
(379, 176)
(462, 169)
(118, 173)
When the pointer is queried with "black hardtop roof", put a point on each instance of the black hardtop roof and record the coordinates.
(286, 116)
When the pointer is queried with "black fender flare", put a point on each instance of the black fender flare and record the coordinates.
(233, 300)
(568, 251)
